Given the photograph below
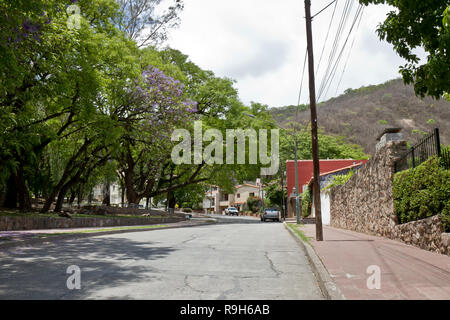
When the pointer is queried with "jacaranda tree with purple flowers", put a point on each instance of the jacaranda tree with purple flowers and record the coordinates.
(154, 106)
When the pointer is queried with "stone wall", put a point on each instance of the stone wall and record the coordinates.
(426, 234)
(31, 223)
(365, 204)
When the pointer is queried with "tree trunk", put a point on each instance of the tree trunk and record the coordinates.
(73, 194)
(11, 193)
(90, 196)
(106, 194)
(80, 195)
(122, 190)
(48, 202)
(171, 201)
(22, 190)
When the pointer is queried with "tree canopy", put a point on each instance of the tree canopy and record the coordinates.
(415, 24)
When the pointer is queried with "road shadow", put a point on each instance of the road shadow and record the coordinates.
(40, 271)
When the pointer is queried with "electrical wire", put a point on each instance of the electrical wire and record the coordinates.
(334, 69)
(349, 52)
(323, 9)
(326, 38)
(342, 23)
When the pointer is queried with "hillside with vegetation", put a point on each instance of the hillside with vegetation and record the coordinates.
(361, 114)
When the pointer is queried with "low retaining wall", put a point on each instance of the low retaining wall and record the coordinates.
(365, 204)
(426, 234)
(33, 223)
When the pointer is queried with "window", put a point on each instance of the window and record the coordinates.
(252, 194)
(238, 195)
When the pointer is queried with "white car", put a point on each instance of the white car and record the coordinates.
(232, 211)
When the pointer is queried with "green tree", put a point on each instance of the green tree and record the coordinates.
(419, 23)
(54, 81)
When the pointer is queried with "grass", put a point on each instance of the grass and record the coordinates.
(297, 229)
(43, 235)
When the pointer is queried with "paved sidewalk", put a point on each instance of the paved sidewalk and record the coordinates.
(407, 272)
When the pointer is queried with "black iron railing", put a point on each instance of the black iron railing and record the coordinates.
(422, 151)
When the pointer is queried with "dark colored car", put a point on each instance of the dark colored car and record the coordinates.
(270, 213)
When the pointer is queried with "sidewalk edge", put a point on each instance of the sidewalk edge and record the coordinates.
(327, 285)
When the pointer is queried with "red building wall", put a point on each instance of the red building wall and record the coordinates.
(305, 170)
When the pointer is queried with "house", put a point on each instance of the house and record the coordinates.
(305, 173)
(217, 201)
(324, 180)
(115, 194)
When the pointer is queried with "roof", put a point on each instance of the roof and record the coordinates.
(322, 160)
(246, 185)
(306, 170)
(334, 171)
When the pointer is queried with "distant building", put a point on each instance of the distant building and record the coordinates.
(325, 179)
(306, 172)
(217, 201)
(115, 194)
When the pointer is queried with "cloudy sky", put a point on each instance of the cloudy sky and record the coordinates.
(261, 44)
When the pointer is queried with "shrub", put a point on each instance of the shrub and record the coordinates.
(254, 203)
(187, 210)
(386, 97)
(423, 192)
(306, 202)
(339, 180)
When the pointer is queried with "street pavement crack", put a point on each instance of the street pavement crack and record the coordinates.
(234, 290)
(187, 284)
(192, 238)
(272, 266)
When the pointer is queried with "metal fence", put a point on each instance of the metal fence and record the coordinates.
(422, 151)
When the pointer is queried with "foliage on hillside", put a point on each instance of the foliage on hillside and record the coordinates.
(361, 114)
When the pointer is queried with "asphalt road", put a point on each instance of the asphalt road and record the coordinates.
(230, 261)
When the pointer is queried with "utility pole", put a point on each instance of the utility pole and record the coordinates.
(297, 191)
(282, 192)
(315, 142)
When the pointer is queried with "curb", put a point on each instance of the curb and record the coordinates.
(62, 237)
(326, 284)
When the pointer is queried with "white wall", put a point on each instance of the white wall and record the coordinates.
(325, 208)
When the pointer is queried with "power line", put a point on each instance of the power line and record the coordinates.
(324, 9)
(343, 21)
(349, 52)
(333, 71)
(301, 82)
(326, 37)
(341, 26)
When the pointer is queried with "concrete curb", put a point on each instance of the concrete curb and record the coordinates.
(327, 285)
(62, 237)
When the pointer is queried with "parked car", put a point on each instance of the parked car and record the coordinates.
(231, 211)
(270, 213)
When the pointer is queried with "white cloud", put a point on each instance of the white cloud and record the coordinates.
(261, 44)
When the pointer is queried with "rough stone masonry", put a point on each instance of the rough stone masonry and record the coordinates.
(365, 204)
